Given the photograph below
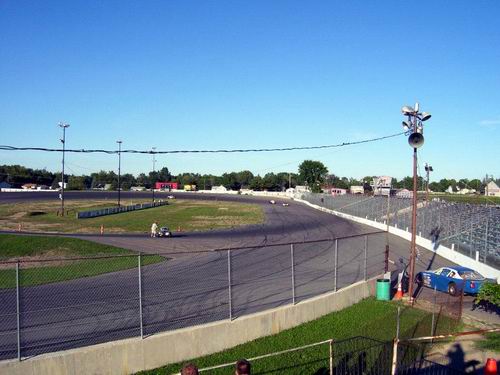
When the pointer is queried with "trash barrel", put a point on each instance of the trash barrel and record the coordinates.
(383, 289)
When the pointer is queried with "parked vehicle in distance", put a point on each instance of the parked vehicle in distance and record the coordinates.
(452, 280)
(272, 201)
(170, 197)
(285, 205)
(164, 232)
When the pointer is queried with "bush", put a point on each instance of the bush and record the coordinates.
(489, 295)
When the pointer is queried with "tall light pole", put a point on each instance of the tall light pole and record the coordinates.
(428, 170)
(63, 141)
(415, 129)
(152, 185)
(119, 169)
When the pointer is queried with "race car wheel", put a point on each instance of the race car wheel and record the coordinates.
(452, 289)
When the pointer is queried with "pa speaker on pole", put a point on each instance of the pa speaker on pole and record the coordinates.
(416, 140)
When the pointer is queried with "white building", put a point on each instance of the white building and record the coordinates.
(219, 189)
(357, 189)
(492, 189)
(302, 189)
(338, 191)
(381, 185)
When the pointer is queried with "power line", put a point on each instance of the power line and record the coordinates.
(13, 148)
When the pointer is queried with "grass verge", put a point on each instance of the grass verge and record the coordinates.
(368, 318)
(44, 259)
(189, 215)
(491, 342)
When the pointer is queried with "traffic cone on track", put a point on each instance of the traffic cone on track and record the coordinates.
(399, 293)
(491, 367)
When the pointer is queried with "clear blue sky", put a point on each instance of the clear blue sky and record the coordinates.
(245, 74)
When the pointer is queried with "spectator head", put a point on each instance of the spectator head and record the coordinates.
(243, 367)
(189, 369)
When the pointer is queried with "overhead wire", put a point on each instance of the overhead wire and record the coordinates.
(277, 149)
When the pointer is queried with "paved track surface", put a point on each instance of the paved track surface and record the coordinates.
(192, 287)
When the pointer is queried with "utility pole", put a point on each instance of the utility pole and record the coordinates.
(153, 182)
(119, 170)
(414, 128)
(63, 141)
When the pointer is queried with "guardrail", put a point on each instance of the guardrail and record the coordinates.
(117, 210)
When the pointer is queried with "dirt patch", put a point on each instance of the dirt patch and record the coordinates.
(47, 259)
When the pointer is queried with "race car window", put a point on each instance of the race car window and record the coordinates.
(470, 275)
(444, 272)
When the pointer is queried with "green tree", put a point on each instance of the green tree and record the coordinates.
(313, 173)
(76, 183)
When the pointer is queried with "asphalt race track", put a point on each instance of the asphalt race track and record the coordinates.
(191, 287)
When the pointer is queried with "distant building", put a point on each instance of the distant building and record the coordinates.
(465, 191)
(167, 186)
(188, 187)
(492, 189)
(29, 186)
(357, 189)
(450, 190)
(381, 185)
(219, 189)
(5, 185)
(336, 191)
(302, 189)
(137, 188)
(404, 193)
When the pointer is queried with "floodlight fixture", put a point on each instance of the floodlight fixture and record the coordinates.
(425, 116)
(407, 110)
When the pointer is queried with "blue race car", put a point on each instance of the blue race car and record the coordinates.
(452, 280)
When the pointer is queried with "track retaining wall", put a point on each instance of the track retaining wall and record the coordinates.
(136, 354)
(440, 250)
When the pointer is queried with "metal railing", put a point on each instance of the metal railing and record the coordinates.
(353, 356)
(473, 230)
(56, 304)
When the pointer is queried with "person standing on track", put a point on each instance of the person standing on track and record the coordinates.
(154, 229)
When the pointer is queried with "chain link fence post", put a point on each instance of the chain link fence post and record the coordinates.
(394, 356)
(486, 236)
(18, 313)
(293, 273)
(140, 295)
(335, 261)
(433, 329)
(330, 344)
(229, 285)
(365, 258)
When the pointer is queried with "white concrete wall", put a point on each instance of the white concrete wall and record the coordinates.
(441, 250)
(133, 355)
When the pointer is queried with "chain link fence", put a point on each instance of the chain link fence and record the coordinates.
(473, 230)
(56, 304)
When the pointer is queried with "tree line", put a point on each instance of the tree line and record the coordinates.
(311, 173)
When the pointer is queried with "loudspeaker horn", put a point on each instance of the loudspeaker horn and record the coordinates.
(416, 140)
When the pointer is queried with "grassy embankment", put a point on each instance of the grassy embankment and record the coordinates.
(188, 215)
(45, 259)
(369, 318)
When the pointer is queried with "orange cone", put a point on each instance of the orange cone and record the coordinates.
(399, 293)
(491, 367)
